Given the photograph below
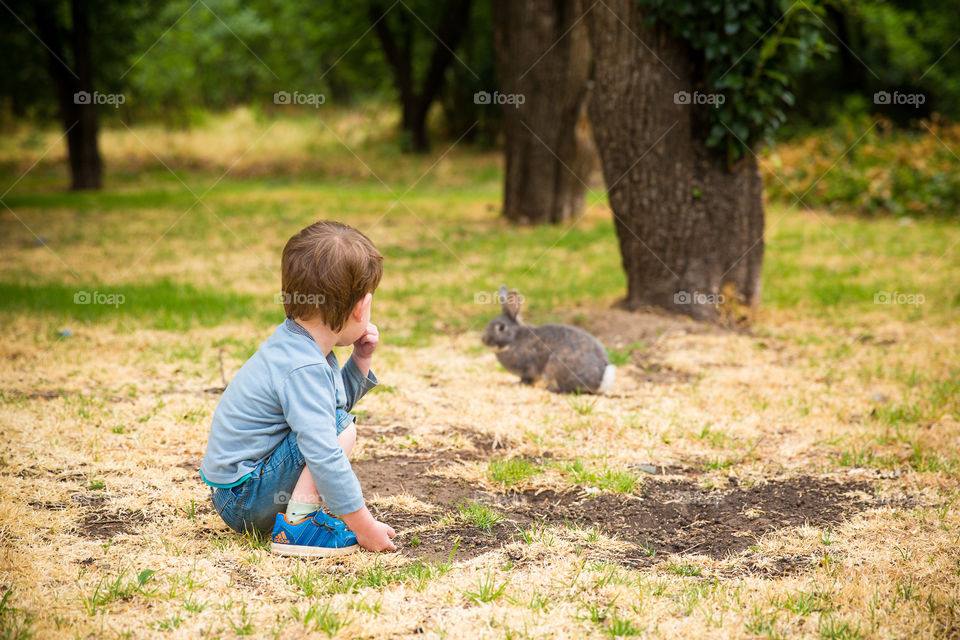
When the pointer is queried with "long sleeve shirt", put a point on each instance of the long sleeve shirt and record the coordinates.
(288, 384)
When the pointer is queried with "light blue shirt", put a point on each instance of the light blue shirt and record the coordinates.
(288, 384)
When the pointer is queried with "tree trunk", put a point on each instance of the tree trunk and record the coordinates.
(416, 104)
(543, 59)
(74, 87)
(690, 227)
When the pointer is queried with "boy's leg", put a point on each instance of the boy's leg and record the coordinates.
(304, 499)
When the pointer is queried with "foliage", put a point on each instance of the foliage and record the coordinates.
(887, 46)
(114, 29)
(474, 71)
(748, 51)
(870, 167)
(225, 52)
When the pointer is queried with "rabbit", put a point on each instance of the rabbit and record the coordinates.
(567, 359)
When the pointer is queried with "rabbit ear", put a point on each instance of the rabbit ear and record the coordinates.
(512, 302)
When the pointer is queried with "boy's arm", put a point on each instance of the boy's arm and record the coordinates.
(309, 405)
(308, 399)
(357, 377)
(355, 383)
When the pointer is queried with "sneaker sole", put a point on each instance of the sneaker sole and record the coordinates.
(317, 552)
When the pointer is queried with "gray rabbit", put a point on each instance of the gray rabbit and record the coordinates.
(568, 359)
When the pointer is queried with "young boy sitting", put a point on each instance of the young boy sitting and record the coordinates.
(282, 434)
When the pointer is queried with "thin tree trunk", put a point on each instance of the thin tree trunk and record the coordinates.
(690, 226)
(79, 117)
(415, 103)
(543, 60)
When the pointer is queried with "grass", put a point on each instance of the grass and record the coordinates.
(308, 582)
(511, 471)
(15, 624)
(684, 569)
(600, 477)
(159, 305)
(123, 586)
(833, 628)
(487, 590)
(105, 406)
(804, 603)
(479, 515)
(319, 617)
(620, 357)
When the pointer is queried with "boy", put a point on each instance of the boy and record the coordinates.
(281, 433)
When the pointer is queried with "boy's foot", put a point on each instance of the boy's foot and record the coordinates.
(316, 535)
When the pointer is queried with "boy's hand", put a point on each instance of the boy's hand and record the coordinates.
(372, 535)
(365, 345)
(377, 538)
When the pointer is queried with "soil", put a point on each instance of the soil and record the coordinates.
(642, 332)
(671, 514)
(104, 523)
(669, 517)
(618, 329)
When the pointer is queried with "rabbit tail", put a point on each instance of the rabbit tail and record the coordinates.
(607, 381)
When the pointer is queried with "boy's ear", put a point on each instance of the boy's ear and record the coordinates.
(361, 307)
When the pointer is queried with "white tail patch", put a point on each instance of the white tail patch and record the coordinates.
(608, 375)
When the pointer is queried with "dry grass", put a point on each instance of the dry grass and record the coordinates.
(103, 429)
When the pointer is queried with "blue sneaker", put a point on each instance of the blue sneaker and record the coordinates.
(316, 535)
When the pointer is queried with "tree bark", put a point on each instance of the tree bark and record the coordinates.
(415, 104)
(690, 227)
(543, 57)
(79, 118)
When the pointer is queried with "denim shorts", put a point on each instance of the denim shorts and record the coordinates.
(254, 504)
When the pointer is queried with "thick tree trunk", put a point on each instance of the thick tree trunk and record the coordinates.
(78, 115)
(543, 59)
(690, 226)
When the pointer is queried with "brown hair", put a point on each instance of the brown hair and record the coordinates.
(327, 268)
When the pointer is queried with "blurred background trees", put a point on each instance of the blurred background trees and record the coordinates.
(562, 87)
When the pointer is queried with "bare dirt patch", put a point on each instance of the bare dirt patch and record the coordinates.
(668, 516)
(107, 523)
(681, 517)
(617, 328)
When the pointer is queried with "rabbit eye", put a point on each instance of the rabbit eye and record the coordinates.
(501, 327)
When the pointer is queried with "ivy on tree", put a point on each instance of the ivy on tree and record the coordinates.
(748, 51)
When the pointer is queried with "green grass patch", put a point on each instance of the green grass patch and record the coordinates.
(123, 586)
(684, 569)
(162, 304)
(511, 471)
(308, 581)
(15, 624)
(487, 590)
(604, 478)
(620, 357)
(480, 515)
(320, 617)
(803, 603)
